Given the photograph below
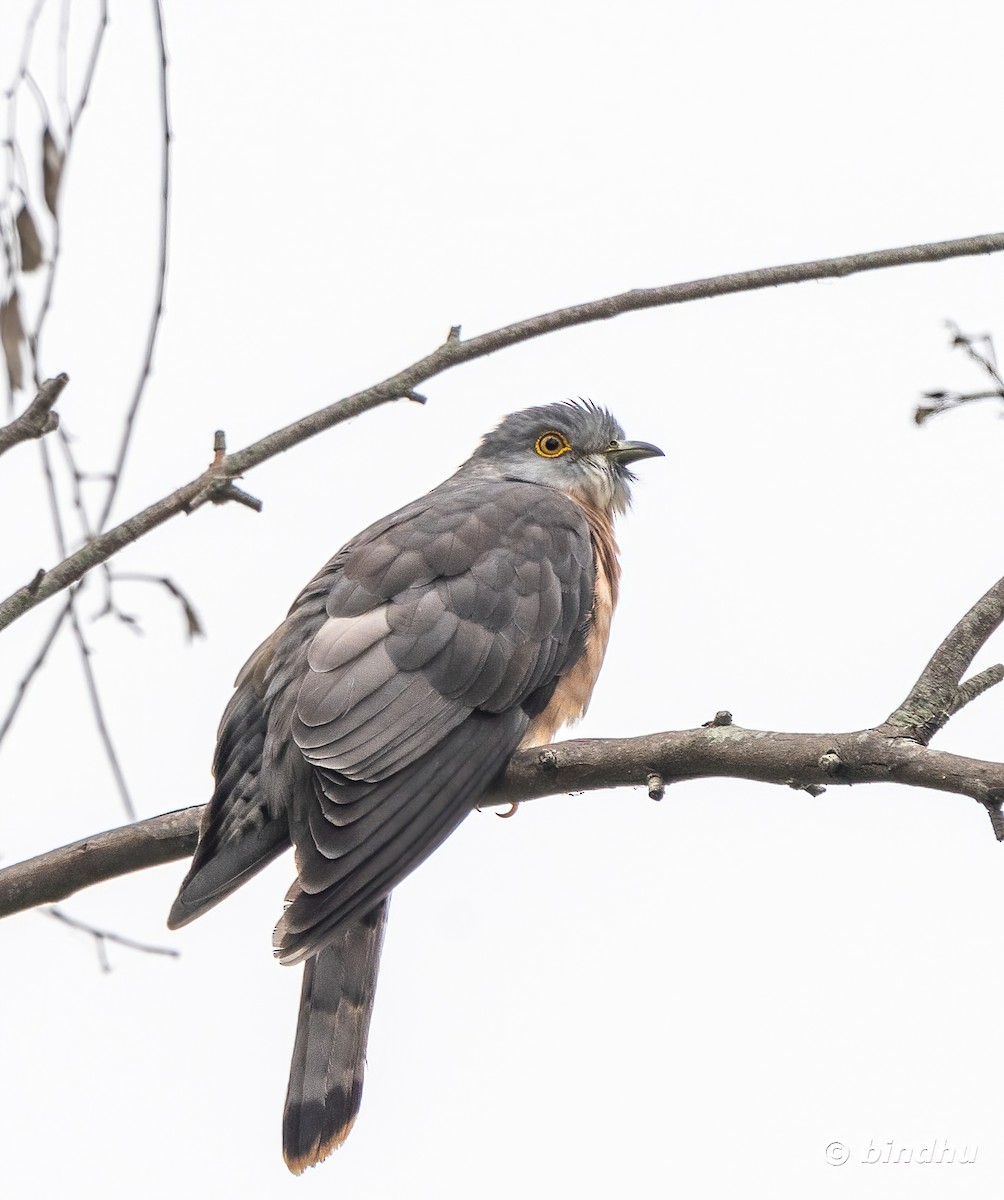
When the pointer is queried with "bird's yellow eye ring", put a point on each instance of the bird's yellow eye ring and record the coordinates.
(552, 444)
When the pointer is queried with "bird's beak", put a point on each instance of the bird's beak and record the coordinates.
(628, 452)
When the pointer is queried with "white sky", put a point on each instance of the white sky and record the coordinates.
(605, 996)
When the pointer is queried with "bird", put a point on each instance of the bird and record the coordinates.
(466, 625)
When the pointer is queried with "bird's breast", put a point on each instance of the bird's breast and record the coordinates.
(575, 688)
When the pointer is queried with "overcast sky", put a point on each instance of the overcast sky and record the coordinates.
(604, 996)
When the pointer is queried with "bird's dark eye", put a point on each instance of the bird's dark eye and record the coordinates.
(552, 444)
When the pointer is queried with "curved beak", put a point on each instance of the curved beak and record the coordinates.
(628, 452)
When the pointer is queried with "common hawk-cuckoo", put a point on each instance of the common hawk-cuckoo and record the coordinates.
(465, 625)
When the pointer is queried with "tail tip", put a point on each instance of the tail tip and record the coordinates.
(318, 1151)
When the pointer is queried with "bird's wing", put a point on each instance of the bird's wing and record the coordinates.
(243, 826)
(257, 765)
(445, 631)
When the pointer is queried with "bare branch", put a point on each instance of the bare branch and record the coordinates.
(38, 418)
(452, 353)
(60, 873)
(894, 752)
(802, 760)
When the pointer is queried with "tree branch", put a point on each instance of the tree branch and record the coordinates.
(454, 351)
(939, 692)
(38, 418)
(60, 873)
(894, 752)
(800, 760)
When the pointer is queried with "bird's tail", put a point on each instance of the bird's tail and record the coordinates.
(329, 1056)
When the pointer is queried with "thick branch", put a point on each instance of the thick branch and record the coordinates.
(38, 418)
(452, 353)
(801, 760)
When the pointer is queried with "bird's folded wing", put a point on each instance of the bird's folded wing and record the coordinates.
(381, 710)
(445, 634)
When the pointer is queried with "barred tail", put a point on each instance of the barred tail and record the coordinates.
(329, 1056)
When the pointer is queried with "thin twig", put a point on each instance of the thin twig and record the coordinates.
(51, 266)
(26, 43)
(97, 708)
(38, 418)
(192, 621)
(103, 936)
(450, 354)
(62, 55)
(158, 307)
(33, 669)
(92, 63)
(76, 477)
(90, 680)
(53, 497)
(941, 401)
(967, 343)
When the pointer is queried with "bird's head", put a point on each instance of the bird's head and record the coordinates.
(575, 446)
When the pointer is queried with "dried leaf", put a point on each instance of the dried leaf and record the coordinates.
(11, 337)
(52, 169)
(28, 240)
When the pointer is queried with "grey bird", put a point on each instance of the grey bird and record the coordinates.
(437, 642)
